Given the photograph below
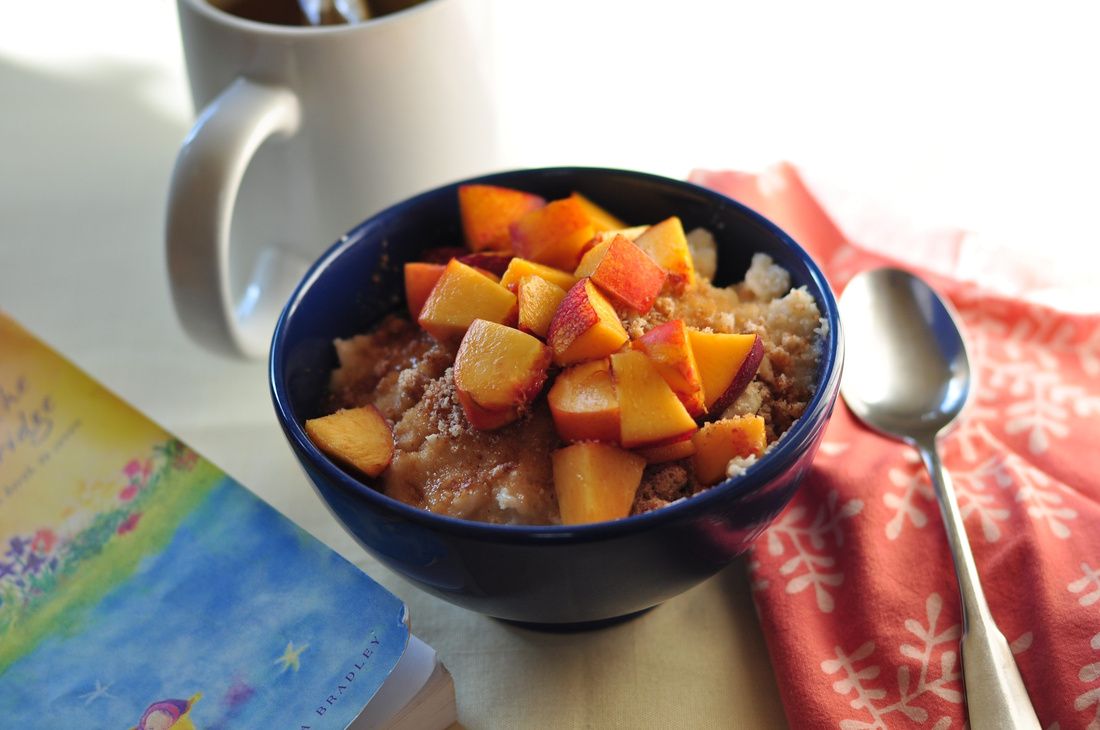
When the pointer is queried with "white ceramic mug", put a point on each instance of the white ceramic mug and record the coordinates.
(303, 133)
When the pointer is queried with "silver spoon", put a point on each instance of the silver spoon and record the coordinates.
(908, 377)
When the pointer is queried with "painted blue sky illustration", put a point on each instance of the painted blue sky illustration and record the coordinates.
(243, 608)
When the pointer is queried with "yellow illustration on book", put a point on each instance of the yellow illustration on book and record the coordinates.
(88, 489)
(165, 714)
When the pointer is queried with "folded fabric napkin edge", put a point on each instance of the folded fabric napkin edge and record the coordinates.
(884, 653)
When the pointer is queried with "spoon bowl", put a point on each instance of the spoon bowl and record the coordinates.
(908, 376)
(916, 379)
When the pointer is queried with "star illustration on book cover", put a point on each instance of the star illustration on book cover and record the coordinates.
(291, 658)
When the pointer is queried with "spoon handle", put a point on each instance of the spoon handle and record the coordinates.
(995, 693)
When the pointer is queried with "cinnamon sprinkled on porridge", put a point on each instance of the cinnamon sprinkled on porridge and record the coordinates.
(443, 464)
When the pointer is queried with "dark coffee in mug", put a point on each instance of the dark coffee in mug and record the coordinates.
(289, 12)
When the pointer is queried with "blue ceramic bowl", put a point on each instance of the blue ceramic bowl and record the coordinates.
(553, 574)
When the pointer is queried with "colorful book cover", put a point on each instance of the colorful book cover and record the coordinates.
(140, 587)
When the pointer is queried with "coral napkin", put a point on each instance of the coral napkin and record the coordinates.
(854, 583)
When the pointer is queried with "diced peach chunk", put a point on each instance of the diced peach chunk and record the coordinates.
(592, 256)
(718, 442)
(485, 419)
(500, 370)
(538, 300)
(487, 212)
(519, 268)
(626, 273)
(667, 345)
(669, 452)
(605, 237)
(595, 482)
(420, 279)
(667, 245)
(584, 404)
(357, 437)
(585, 327)
(727, 364)
(462, 295)
(650, 413)
(601, 219)
(553, 235)
(485, 263)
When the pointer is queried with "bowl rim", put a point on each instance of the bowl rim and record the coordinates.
(757, 475)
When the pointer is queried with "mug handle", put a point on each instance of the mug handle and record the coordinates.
(201, 198)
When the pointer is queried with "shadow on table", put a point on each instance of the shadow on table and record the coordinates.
(86, 155)
(95, 130)
(699, 659)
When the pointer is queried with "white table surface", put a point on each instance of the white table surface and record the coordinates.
(977, 116)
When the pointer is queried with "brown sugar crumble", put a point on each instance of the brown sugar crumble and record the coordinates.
(443, 464)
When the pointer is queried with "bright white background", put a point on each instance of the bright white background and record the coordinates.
(979, 115)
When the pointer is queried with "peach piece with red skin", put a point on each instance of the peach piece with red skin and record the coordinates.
(669, 452)
(718, 442)
(625, 272)
(606, 236)
(668, 346)
(553, 235)
(584, 404)
(357, 437)
(591, 257)
(494, 262)
(667, 245)
(727, 364)
(585, 327)
(650, 413)
(595, 482)
(485, 419)
(462, 295)
(490, 263)
(498, 371)
(488, 211)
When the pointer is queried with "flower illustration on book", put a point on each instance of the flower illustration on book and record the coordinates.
(17, 546)
(43, 541)
(165, 714)
(128, 524)
(35, 564)
(138, 470)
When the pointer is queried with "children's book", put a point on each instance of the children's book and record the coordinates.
(140, 587)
